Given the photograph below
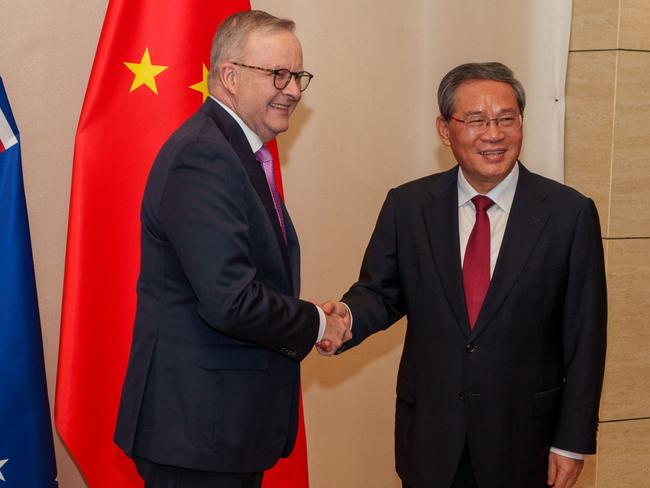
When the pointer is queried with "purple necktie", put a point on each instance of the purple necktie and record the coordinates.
(263, 155)
(476, 265)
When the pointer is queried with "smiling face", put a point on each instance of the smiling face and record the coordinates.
(485, 158)
(263, 107)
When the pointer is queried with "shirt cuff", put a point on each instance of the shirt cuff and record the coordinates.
(569, 454)
(350, 314)
(321, 323)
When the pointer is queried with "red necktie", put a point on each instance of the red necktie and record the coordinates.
(476, 265)
(263, 155)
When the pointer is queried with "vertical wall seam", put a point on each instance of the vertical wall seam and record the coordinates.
(615, 100)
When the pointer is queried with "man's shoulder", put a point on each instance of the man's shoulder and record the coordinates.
(201, 132)
(198, 142)
(200, 125)
(555, 191)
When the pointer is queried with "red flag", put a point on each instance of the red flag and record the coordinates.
(149, 75)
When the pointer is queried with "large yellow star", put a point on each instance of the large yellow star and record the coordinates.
(145, 72)
(202, 86)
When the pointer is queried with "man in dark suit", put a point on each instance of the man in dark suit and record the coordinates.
(500, 273)
(211, 392)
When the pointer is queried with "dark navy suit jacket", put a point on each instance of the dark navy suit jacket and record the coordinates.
(213, 376)
(529, 375)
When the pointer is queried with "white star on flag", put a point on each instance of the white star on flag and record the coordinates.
(2, 463)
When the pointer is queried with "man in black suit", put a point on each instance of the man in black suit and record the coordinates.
(211, 392)
(500, 273)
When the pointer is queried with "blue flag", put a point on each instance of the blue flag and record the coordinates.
(26, 445)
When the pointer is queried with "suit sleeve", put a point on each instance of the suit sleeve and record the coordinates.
(584, 336)
(376, 299)
(204, 211)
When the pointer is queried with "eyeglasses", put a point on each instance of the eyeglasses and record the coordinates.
(282, 77)
(479, 124)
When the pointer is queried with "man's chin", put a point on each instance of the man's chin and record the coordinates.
(279, 129)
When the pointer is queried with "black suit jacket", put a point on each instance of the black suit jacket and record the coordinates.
(213, 376)
(529, 375)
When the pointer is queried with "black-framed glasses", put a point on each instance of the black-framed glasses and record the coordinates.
(479, 124)
(282, 76)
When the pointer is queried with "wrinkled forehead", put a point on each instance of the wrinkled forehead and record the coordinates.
(485, 96)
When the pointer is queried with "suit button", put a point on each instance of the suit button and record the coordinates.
(471, 347)
(461, 396)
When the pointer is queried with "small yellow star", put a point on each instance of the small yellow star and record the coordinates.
(145, 72)
(202, 86)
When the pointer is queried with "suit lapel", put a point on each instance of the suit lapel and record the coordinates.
(293, 249)
(239, 143)
(441, 223)
(527, 218)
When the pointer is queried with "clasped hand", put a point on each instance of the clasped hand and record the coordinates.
(337, 328)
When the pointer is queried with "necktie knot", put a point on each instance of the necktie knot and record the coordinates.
(482, 203)
(263, 155)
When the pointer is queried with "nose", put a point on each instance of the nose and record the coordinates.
(493, 131)
(293, 88)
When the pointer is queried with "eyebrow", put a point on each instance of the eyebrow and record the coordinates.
(482, 112)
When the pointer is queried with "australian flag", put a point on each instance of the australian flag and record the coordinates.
(26, 446)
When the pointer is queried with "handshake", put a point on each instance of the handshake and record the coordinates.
(337, 328)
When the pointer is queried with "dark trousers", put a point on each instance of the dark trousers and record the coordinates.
(163, 476)
(464, 473)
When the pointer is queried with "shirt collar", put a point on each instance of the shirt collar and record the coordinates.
(502, 195)
(252, 138)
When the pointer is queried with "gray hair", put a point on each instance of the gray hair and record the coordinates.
(476, 71)
(230, 39)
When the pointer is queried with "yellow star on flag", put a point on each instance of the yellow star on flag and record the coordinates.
(145, 72)
(202, 86)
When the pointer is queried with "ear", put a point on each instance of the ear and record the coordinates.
(443, 130)
(229, 77)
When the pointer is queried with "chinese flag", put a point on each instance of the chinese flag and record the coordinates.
(149, 75)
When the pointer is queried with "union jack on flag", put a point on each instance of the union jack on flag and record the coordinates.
(7, 136)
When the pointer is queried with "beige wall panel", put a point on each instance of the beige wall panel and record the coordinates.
(350, 414)
(635, 24)
(588, 476)
(624, 454)
(629, 210)
(594, 24)
(626, 391)
(590, 88)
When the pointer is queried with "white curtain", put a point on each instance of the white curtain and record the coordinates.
(530, 36)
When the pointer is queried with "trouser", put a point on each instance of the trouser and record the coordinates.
(464, 477)
(164, 476)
